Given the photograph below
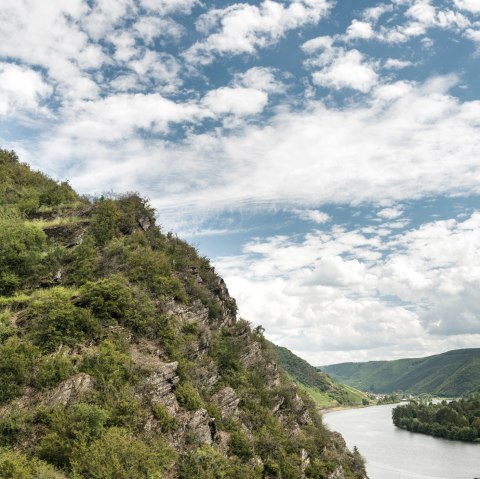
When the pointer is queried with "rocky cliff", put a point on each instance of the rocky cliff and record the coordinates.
(121, 354)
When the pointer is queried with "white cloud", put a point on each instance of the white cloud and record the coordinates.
(311, 297)
(358, 29)
(316, 216)
(348, 69)
(35, 33)
(236, 101)
(22, 90)
(318, 43)
(472, 6)
(396, 64)
(259, 78)
(149, 28)
(170, 6)
(390, 213)
(244, 28)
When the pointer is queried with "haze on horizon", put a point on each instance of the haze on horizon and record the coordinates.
(325, 155)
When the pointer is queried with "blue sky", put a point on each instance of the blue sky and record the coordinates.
(324, 155)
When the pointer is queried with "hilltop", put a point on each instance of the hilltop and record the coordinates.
(454, 373)
(324, 390)
(122, 356)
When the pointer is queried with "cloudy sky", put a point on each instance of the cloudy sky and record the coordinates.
(324, 154)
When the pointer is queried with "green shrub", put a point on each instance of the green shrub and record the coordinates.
(84, 262)
(13, 427)
(207, 462)
(17, 358)
(54, 320)
(52, 370)
(240, 445)
(188, 396)
(111, 367)
(105, 223)
(6, 328)
(166, 422)
(21, 246)
(125, 409)
(119, 455)
(113, 301)
(68, 431)
(14, 465)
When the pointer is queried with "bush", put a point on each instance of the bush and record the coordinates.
(54, 320)
(52, 370)
(84, 259)
(119, 455)
(111, 367)
(17, 358)
(113, 301)
(188, 396)
(13, 427)
(21, 246)
(166, 422)
(207, 462)
(240, 446)
(14, 465)
(105, 223)
(68, 431)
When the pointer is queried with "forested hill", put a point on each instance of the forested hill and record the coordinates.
(326, 392)
(122, 357)
(454, 373)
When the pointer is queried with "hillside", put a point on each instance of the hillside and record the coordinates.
(325, 391)
(122, 357)
(454, 373)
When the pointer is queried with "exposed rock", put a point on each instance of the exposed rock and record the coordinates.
(69, 234)
(200, 347)
(70, 390)
(195, 311)
(144, 223)
(160, 386)
(227, 400)
(202, 426)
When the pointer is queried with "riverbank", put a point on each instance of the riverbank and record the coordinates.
(392, 453)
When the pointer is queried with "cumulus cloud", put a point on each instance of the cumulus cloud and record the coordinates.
(390, 213)
(316, 216)
(322, 299)
(348, 69)
(244, 28)
(358, 29)
(260, 78)
(472, 6)
(237, 101)
(396, 64)
(22, 90)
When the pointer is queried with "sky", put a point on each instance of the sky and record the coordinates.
(325, 155)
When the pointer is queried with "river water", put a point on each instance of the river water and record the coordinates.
(393, 453)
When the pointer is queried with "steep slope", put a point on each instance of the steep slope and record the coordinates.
(454, 373)
(122, 357)
(324, 390)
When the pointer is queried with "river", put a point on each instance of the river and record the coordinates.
(392, 453)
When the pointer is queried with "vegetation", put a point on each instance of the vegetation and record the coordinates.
(326, 392)
(458, 420)
(452, 374)
(121, 355)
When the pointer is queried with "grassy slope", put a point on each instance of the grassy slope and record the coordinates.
(96, 301)
(325, 391)
(453, 373)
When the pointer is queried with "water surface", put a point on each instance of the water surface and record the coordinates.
(394, 453)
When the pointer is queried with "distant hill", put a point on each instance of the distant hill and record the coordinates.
(325, 391)
(454, 373)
